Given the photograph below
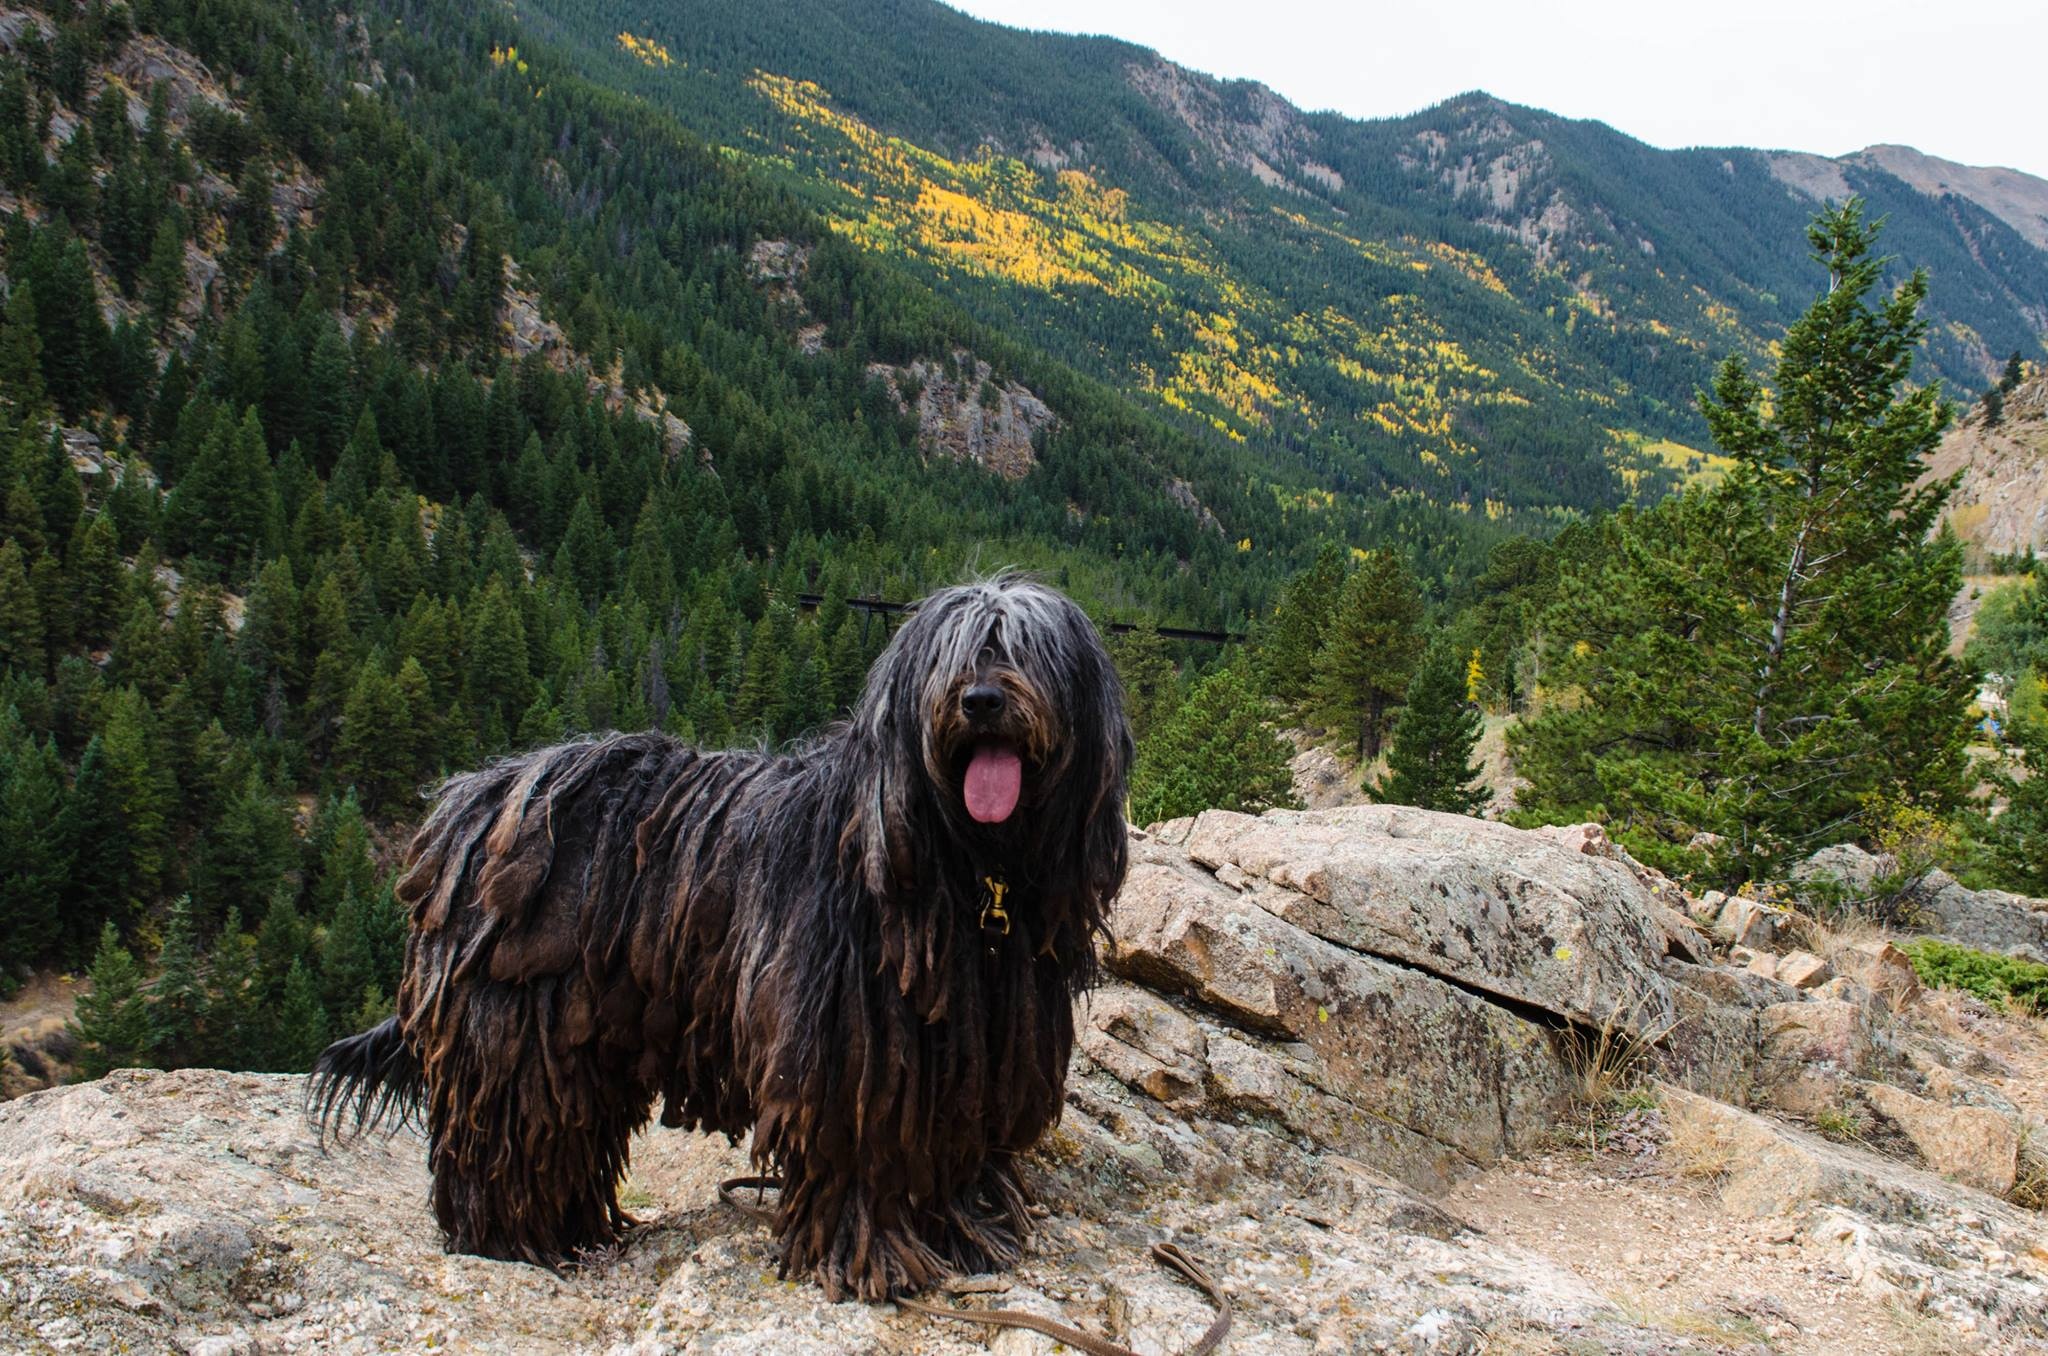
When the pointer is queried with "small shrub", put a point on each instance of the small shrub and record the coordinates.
(1844, 1124)
(2002, 981)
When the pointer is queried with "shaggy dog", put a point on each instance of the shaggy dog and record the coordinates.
(865, 951)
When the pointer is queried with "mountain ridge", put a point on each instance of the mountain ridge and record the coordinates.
(1589, 282)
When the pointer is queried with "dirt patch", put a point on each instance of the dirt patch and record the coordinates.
(1660, 1246)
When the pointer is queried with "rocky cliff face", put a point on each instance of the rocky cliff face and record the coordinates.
(2000, 505)
(964, 414)
(1348, 1057)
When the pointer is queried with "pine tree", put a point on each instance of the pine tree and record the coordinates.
(22, 393)
(97, 578)
(348, 958)
(329, 397)
(57, 493)
(1430, 762)
(93, 844)
(366, 754)
(112, 1026)
(127, 221)
(584, 559)
(245, 854)
(498, 681)
(341, 851)
(74, 337)
(2018, 839)
(21, 615)
(1763, 659)
(1150, 684)
(233, 999)
(542, 723)
(2015, 372)
(272, 626)
(179, 996)
(225, 506)
(1287, 653)
(31, 794)
(1218, 750)
(163, 276)
(301, 1023)
(756, 706)
(1370, 648)
(846, 666)
(282, 941)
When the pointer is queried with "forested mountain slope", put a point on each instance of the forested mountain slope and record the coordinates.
(378, 394)
(1482, 304)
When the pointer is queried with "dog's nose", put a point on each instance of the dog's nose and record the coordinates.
(982, 701)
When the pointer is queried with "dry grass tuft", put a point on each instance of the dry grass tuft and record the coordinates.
(2030, 1186)
(1703, 1153)
(1608, 1059)
(1915, 1333)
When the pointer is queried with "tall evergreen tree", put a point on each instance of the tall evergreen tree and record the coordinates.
(22, 392)
(97, 578)
(234, 999)
(1430, 762)
(246, 853)
(225, 506)
(163, 275)
(21, 615)
(340, 848)
(1218, 750)
(1149, 681)
(93, 844)
(73, 336)
(301, 1031)
(348, 958)
(1370, 647)
(2014, 372)
(179, 995)
(112, 1026)
(31, 794)
(1294, 638)
(1759, 660)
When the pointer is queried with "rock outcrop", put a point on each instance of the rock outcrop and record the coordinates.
(1989, 920)
(963, 414)
(1317, 1023)
(2000, 505)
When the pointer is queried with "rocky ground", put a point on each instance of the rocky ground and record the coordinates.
(1405, 1082)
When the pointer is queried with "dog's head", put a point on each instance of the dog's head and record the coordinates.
(1000, 724)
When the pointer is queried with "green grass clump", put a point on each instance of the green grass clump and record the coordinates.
(2000, 980)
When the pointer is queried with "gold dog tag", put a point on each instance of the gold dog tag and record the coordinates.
(992, 903)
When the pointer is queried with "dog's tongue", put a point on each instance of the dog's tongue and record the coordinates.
(995, 778)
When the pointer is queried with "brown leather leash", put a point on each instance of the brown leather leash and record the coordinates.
(1168, 1254)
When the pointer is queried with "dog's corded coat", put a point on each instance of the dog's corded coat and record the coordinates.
(790, 944)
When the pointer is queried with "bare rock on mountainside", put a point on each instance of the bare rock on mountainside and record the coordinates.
(963, 414)
(1332, 1043)
(1249, 127)
(2000, 506)
(2019, 200)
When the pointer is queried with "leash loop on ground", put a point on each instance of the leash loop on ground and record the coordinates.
(1170, 1255)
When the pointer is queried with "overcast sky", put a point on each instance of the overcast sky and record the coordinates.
(1963, 79)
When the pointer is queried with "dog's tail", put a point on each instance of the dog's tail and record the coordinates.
(359, 1082)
